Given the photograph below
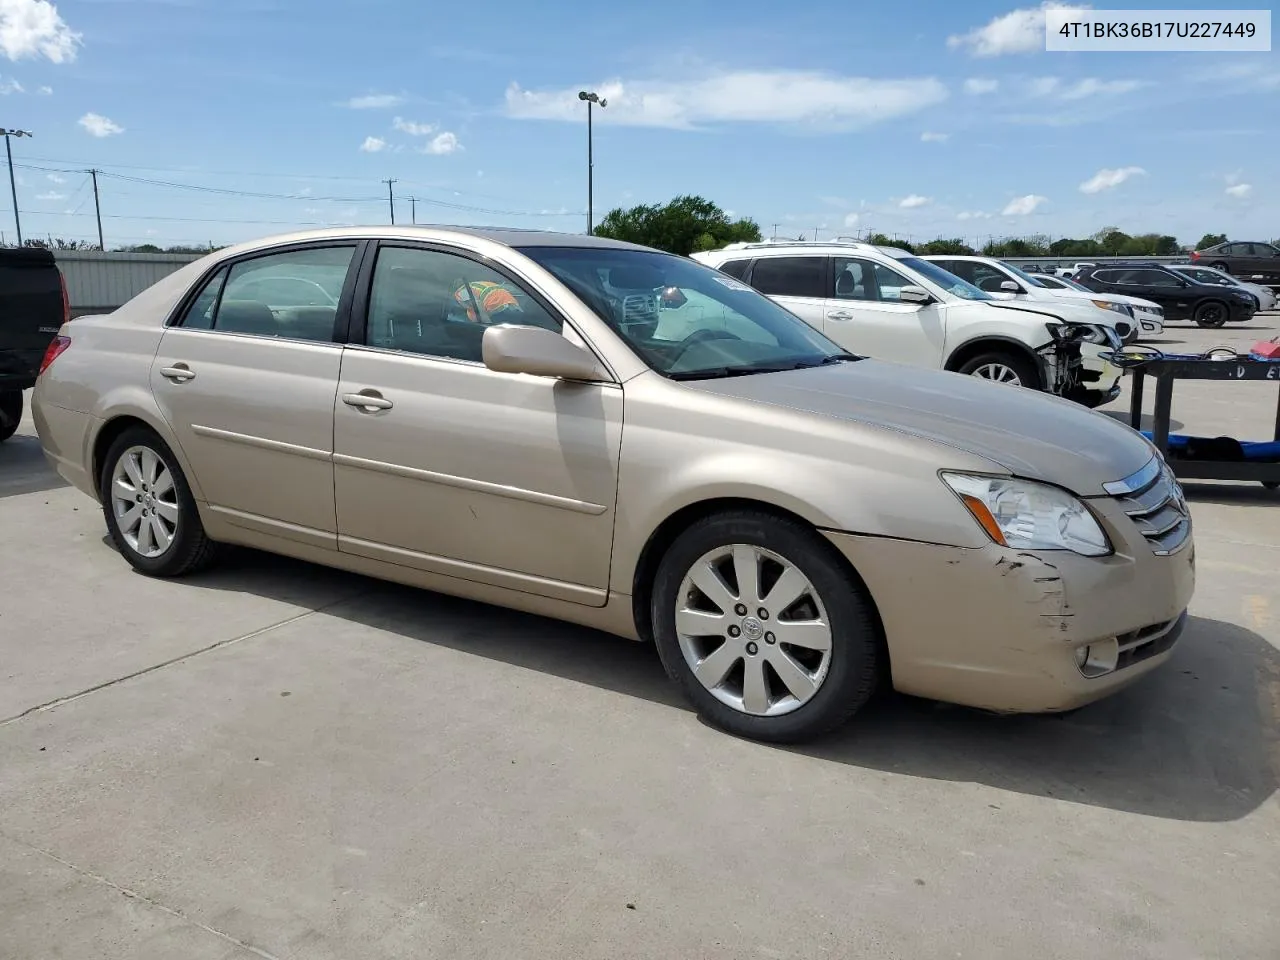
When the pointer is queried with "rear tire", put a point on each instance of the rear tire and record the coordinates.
(785, 667)
(10, 413)
(151, 515)
(1211, 314)
(1003, 366)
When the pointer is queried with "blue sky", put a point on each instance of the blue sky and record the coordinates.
(922, 118)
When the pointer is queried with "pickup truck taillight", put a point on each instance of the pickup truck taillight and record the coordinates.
(57, 346)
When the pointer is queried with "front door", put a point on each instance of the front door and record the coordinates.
(444, 465)
(246, 380)
(866, 315)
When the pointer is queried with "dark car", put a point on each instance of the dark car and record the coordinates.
(1182, 298)
(33, 307)
(1242, 259)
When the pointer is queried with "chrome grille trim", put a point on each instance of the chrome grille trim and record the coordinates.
(1152, 499)
(1137, 481)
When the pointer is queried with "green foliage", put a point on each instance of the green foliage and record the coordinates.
(1211, 240)
(956, 247)
(1107, 242)
(881, 240)
(685, 225)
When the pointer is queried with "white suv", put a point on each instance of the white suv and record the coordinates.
(1006, 281)
(886, 303)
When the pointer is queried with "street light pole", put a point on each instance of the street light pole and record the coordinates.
(590, 98)
(13, 188)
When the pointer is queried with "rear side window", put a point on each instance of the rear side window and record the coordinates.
(735, 268)
(1157, 278)
(789, 276)
(293, 295)
(1105, 276)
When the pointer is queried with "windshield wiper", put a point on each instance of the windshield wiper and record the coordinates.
(719, 373)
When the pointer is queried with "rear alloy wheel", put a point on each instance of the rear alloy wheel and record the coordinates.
(150, 512)
(1211, 314)
(10, 413)
(1003, 367)
(767, 634)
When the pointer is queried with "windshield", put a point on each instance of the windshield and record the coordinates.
(1075, 286)
(685, 320)
(1028, 277)
(947, 281)
(1208, 275)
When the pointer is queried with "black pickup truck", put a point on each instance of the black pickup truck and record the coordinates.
(33, 307)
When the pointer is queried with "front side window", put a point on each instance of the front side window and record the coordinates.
(948, 281)
(685, 320)
(439, 304)
(1108, 276)
(1157, 278)
(789, 276)
(293, 295)
(1265, 250)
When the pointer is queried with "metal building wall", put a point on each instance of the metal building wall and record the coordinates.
(100, 282)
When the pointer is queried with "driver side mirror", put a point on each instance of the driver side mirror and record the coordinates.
(913, 294)
(540, 352)
(1008, 286)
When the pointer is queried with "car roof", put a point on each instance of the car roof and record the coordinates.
(507, 236)
(817, 247)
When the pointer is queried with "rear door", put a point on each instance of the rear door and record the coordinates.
(246, 379)
(798, 283)
(866, 315)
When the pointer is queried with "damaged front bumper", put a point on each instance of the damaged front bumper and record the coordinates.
(1024, 631)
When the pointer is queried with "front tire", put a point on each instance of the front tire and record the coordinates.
(1211, 314)
(1003, 366)
(1219, 266)
(764, 629)
(150, 512)
(10, 413)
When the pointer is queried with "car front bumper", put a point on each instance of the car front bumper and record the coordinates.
(1000, 629)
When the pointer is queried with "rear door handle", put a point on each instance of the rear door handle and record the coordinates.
(178, 373)
(367, 400)
(839, 315)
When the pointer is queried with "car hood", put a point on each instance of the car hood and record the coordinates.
(1104, 297)
(1029, 434)
(1051, 309)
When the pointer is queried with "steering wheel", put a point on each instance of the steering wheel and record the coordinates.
(701, 336)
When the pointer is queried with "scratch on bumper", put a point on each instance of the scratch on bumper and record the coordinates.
(1039, 583)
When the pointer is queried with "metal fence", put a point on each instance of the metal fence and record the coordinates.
(100, 282)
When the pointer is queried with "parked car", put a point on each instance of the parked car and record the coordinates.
(1265, 296)
(627, 439)
(1150, 315)
(1006, 281)
(1209, 305)
(889, 304)
(1254, 260)
(33, 305)
(1072, 270)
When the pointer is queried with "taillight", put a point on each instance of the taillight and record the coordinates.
(1195, 255)
(57, 346)
(66, 301)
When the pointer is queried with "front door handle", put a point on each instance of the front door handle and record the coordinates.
(367, 401)
(839, 315)
(178, 373)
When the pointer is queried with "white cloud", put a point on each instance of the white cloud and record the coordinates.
(851, 219)
(45, 91)
(34, 28)
(1022, 206)
(10, 86)
(980, 85)
(98, 125)
(412, 128)
(928, 137)
(779, 96)
(1020, 31)
(1240, 190)
(972, 215)
(912, 201)
(1106, 179)
(1082, 89)
(51, 195)
(370, 101)
(54, 178)
(1259, 74)
(373, 145)
(442, 143)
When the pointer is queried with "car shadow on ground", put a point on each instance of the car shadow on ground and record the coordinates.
(1198, 740)
(24, 469)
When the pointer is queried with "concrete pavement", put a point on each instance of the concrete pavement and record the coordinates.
(277, 760)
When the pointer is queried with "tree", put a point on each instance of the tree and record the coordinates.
(684, 225)
(880, 240)
(956, 247)
(1211, 240)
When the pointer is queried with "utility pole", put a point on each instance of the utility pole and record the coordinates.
(775, 231)
(13, 189)
(391, 201)
(590, 99)
(97, 207)
(413, 210)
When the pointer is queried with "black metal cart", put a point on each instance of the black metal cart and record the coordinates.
(1166, 371)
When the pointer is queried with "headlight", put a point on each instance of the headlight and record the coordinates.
(1113, 307)
(1088, 332)
(1029, 516)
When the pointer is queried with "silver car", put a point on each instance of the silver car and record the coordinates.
(622, 438)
